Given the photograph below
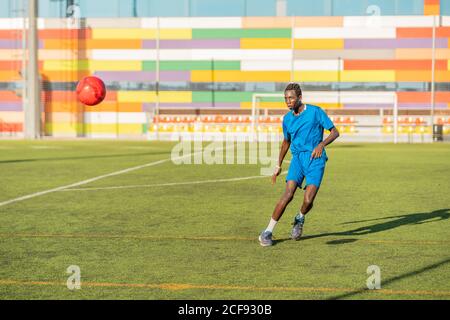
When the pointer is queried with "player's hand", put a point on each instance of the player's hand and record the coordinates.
(276, 173)
(317, 152)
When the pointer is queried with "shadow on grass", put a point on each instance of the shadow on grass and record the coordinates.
(105, 156)
(394, 222)
(394, 279)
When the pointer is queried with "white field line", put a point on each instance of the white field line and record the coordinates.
(169, 184)
(77, 184)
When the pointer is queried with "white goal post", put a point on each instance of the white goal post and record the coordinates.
(336, 98)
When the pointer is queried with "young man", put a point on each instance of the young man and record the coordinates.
(303, 129)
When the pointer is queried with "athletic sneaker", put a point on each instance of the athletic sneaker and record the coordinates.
(297, 229)
(265, 238)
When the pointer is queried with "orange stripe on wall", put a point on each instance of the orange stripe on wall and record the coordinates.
(393, 65)
(431, 2)
(64, 76)
(441, 32)
(74, 107)
(413, 75)
(70, 96)
(440, 96)
(9, 96)
(58, 106)
(11, 127)
(10, 34)
(420, 54)
(14, 65)
(93, 44)
(421, 75)
(65, 33)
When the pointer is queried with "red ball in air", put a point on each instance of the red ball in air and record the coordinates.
(91, 91)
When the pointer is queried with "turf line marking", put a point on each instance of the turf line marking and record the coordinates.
(187, 286)
(77, 184)
(205, 238)
(168, 184)
(41, 193)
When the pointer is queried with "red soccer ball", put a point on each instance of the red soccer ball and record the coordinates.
(91, 91)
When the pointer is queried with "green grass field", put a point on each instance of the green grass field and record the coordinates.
(379, 204)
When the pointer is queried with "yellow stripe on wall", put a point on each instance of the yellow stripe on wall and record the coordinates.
(175, 34)
(319, 44)
(443, 76)
(78, 128)
(98, 65)
(147, 96)
(235, 76)
(9, 76)
(431, 10)
(67, 128)
(141, 34)
(270, 43)
(121, 128)
(65, 65)
(91, 65)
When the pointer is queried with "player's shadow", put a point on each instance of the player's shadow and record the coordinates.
(394, 279)
(392, 223)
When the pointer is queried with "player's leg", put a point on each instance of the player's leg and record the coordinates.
(308, 199)
(314, 177)
(293, 180)
(286, 198)
(265, 238)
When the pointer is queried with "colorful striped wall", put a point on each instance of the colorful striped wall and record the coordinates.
(219, 63)
(431, 7)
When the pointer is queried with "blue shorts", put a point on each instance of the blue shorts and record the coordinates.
(302, 166)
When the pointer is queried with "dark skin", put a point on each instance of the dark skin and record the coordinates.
(293, 102)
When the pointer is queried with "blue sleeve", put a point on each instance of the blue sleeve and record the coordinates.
(286, 134)
(325, 120)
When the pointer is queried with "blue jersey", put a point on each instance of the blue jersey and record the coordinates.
(305, 131)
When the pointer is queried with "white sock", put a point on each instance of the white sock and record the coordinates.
(300, 215)
(271, 225)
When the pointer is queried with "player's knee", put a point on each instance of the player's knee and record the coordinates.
(308, 203)
(287, 196)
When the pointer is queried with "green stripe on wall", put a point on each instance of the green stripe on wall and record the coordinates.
(240, 33)
(191, 65)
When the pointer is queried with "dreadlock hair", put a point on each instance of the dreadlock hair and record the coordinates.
(295, 87)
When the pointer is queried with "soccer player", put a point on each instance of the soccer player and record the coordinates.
(303, 128)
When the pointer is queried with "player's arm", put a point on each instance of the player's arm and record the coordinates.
(317, 152)
(283, 150)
